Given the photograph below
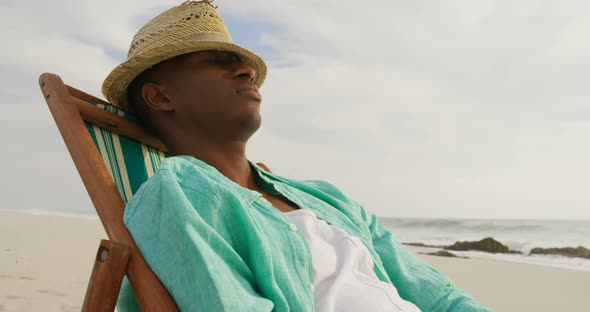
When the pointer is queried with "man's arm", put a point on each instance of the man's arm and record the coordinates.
(200, 269)
(415, 280)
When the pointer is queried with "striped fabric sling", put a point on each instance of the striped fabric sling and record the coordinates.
(129, 162)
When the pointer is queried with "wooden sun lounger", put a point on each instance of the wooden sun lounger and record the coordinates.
(119, 255)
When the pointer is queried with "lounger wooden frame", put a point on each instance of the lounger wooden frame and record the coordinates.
(120, 255)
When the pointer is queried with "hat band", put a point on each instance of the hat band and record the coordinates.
(208, 37)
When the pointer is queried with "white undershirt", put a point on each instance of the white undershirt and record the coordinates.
(344, 277)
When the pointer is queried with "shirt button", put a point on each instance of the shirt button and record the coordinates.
(312, 287)
(293, 227)
(264, 200)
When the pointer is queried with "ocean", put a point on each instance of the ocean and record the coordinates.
(520, 235)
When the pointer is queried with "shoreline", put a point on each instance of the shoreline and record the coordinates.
(45, 213)
(573, 263)
(47, 260)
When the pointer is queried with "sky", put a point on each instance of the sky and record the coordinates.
(431, 109)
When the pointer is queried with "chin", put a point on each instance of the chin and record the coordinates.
(253, 125)
(249, 125)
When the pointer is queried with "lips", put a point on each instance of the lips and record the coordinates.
(250, 91)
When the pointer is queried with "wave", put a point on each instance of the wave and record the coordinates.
(505, 229)
(466, 225)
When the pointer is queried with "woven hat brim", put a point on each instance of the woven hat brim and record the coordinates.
(115, 85)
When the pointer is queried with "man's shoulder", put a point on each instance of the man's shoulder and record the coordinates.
(179, 174)
(184, 170)
(180, 181)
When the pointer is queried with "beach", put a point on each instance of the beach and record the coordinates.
(46, 261)
(509, 286)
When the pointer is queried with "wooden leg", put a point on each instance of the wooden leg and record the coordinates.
(105, 282)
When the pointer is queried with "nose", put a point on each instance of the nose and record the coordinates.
(245, 71)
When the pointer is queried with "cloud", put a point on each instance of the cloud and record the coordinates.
(445, 100)
(445, 109)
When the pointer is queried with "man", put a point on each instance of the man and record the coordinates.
(221, 233)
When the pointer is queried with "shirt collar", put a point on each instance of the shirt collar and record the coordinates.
(247, 194)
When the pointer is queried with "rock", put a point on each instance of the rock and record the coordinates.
(416, 244)
(443, 253)
(580, 251)
(487, 244)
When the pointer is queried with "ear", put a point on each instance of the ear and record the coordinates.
(155, 97)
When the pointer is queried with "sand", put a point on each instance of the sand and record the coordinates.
(46, 261)
(509, 286)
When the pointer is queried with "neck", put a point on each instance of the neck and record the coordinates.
(229, 158)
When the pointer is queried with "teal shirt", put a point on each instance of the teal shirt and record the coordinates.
(217, 246)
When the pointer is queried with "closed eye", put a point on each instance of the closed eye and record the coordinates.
(223, 58)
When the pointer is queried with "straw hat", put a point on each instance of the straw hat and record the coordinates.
(190, 27)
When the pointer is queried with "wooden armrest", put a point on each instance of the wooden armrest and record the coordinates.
(107, 275)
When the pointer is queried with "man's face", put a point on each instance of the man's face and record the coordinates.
(213, 91)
